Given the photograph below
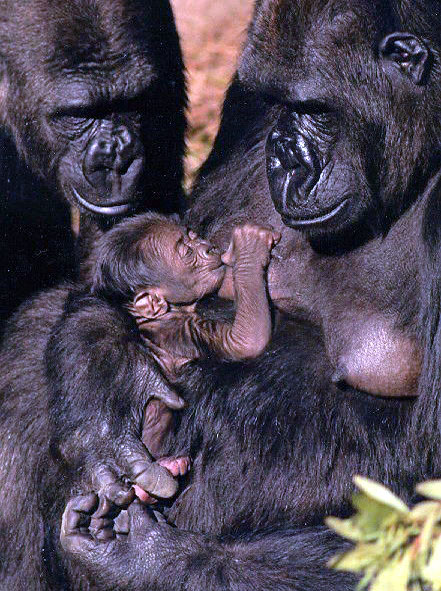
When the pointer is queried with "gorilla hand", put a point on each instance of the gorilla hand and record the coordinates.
(126, 549)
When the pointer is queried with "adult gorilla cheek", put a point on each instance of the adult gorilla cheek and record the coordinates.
(104, 177)
(295, 176)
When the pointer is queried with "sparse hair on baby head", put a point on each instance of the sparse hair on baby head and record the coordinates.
(120, 264)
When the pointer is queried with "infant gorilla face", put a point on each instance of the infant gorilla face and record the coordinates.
(192, 267)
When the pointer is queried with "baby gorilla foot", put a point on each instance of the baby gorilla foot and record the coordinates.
(158, 423)
(176, 465)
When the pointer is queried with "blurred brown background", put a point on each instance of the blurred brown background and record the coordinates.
(212, 32)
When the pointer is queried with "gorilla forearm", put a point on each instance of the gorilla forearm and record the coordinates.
(167, 559)
(100, 380)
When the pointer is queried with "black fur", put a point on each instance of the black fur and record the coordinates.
(74, 77)
(275, 444)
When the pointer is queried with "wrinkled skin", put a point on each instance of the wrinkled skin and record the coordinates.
(275, 443)
(92, 97)
(319, 84)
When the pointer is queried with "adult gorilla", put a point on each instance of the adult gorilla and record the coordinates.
(341, 98)
(91, 110)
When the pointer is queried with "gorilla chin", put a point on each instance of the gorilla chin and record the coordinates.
(106, 210)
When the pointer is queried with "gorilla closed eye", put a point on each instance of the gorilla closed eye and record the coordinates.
(311, 107)
(103, 109)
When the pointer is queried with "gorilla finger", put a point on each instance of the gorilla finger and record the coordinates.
(228, 257)
(112, 499)
(102, 476)
(176, 465)
(77, 515)
(277, 236)
(74, 536)
(162, 391)
(141, 519)
(170, 399)
(110, 487)
(122, 524)
(153, 478)
(105, 534)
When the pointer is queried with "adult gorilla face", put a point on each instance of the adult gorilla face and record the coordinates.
(356, 132)
(79, 92)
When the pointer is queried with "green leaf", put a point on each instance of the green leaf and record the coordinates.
(345, 528)
(356, 560)
(381, 494)
(395, 576)
(372, 517)
(423, 510)
(426, 536)
(432, 572)
(430, 489)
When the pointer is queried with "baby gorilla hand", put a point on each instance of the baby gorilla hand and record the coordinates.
(251, 246)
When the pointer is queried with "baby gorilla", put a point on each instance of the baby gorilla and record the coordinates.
(158, 271)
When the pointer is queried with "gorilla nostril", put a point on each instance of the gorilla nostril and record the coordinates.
(124, 137)
(285, 151)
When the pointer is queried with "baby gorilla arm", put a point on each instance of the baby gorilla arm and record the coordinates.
(249, 255)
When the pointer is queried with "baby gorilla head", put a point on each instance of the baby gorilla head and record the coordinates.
(158, 262)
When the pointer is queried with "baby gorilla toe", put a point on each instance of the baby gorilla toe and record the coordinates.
(176, 465)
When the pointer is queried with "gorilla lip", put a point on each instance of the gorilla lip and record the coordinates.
(314, 221)
(102, 209)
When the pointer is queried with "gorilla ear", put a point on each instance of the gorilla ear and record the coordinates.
(150, 304)
(408, 53)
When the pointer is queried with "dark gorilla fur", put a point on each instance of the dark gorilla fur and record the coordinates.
(91, 107)
(274, 442)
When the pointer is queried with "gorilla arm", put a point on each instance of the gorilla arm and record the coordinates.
(249, 253)
(134, 553)
(100, 381)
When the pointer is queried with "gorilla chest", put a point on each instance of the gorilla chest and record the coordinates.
(367, 303)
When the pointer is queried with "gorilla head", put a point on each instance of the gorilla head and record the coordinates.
(92, 93)
(358, 129)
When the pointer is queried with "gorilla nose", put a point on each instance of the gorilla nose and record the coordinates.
(113, 162)
(297, 161)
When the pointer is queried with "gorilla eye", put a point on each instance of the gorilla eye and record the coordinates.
(185, 250)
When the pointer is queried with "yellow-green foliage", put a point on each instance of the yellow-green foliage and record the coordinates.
(396, 548)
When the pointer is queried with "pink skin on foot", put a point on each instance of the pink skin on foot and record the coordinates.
(176, 465)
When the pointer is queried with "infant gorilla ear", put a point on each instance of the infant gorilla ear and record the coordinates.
(149, 305)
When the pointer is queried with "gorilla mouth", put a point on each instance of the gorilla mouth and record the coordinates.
(304, 222)
(110, 210)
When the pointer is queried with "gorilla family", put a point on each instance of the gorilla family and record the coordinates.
(91, 110)
(331, 133)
